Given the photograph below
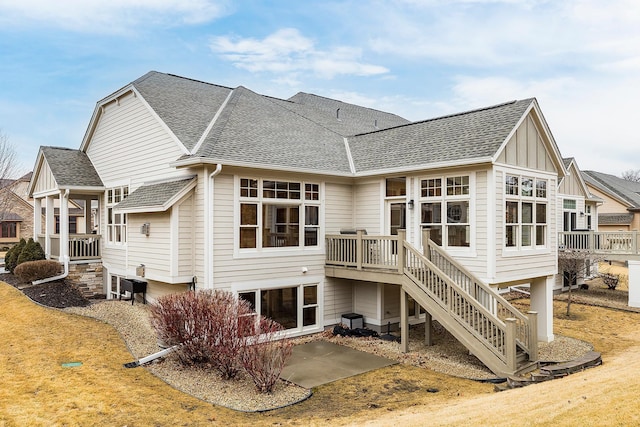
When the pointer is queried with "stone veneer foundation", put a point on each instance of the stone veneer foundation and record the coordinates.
(87, 277)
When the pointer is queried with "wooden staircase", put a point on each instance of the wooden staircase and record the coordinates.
(497, 333)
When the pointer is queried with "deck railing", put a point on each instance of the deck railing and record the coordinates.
(601, 242)
(474, 304)
(81, 246)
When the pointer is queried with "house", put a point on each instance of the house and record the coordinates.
(620, 210)
(312, 209)
(16, 211)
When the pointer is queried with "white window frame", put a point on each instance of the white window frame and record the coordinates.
(268, 285)
(315, 200)
(113, 196)
(443, 198)
(515, 193)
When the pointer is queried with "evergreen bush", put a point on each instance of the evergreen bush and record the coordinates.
(11, 261)
(32, 251)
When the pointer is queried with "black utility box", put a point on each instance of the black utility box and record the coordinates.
(134, 286)
(353, 320)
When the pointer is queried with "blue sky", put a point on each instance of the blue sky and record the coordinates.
(416, 58)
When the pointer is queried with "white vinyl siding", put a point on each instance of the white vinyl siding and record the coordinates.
(368, 207)
(186, 237)
(338, 297)
(46, 181)
(154, 250)
(526, 149)
(130, 144)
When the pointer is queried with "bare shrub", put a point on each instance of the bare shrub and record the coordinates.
(265, 357)
(207, 325)
(611, 280)
(183, 319)
(30, 271)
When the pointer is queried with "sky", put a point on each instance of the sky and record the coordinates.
(416, 58)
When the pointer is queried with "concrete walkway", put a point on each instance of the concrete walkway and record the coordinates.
(321, 362)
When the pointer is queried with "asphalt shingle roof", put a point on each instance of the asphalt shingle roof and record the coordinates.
(626, 190)
(71, 168)
(154, 196)
(614, 218)
(186, 106)
(256, 129)
(475, 134)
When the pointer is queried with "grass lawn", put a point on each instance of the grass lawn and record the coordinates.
(37, 390)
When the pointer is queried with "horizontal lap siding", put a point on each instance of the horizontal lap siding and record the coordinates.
(338, 203)
(186, 235)
(130, 144)
(338, 300)
(367, 207)
(154, 250)
(250, 267)
(477, 263)
(366, 300)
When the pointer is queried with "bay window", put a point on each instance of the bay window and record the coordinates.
(525, 212)
(273, 213)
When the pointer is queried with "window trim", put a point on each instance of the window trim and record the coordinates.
(443, 198)
(535, 200)
(110, 203)
(266, 285)
(307, 198)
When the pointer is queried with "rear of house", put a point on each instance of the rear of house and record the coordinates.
(199, 186)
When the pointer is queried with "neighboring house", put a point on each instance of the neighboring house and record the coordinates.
(202, 186)
(16, 211)
(620, 210)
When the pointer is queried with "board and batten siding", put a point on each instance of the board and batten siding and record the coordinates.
(526, 149)
(46, 181)
(130, 145)
(570, 185)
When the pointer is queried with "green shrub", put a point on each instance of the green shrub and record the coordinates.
(30, 271)
(32, 251)
(11, 259)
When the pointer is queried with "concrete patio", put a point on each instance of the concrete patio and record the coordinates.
(321, 362)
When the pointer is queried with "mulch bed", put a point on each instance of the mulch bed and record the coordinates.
(57, 294)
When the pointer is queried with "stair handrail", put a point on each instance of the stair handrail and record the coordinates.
(499, 348)
(479, 290)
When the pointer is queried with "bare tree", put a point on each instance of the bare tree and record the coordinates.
(631, 175)
(575, 266)
(8, 169)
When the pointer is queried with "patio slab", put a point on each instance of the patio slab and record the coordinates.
(321, 362)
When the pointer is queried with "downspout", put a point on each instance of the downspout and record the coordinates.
(209, 224)
(65, 254)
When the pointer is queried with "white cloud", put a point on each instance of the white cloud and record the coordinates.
(288, 52)
(108, 16)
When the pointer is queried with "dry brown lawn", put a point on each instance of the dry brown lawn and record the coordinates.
(36, 390)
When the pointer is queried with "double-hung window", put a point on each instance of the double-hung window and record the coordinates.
(525, 212)
(445, 210)
(116, 222)
(276, 214)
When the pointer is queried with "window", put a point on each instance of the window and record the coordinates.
(569, 204)
(525, 212)
(396, 187)
(293, 307)
(9, 229)
(589, 221)
(276, 214)
(116, 222)
(448, 216)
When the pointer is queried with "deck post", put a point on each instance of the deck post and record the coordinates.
(426, 238)
(402, 236)
(510, 344)
(404, 321)
(428, 329)
(359, 252)
(533, 335)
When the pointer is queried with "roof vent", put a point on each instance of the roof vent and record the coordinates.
(338, 114)
(375, 123)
